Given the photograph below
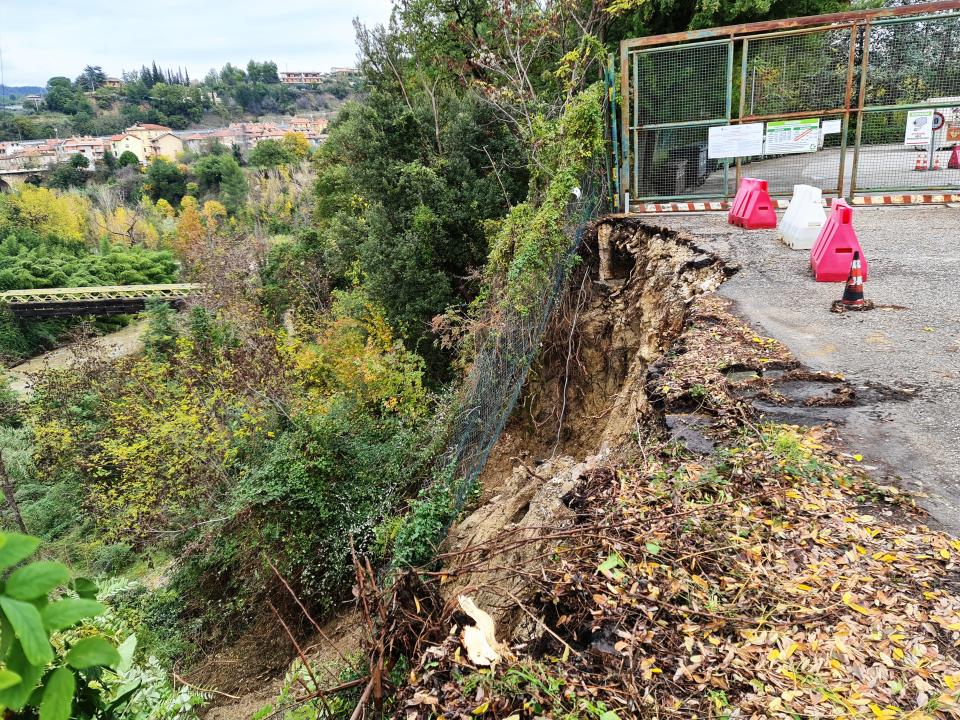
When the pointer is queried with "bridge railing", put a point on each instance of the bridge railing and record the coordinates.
(105, 292)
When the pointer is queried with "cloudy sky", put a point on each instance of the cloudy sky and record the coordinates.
(43, 38)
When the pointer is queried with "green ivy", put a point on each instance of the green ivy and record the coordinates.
(530, 241)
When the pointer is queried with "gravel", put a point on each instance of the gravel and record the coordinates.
(904, 363)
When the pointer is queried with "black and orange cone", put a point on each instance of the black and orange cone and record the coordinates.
(853, 291)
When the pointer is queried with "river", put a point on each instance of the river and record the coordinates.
(126, 341)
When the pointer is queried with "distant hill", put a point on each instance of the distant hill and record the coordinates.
(21, 90)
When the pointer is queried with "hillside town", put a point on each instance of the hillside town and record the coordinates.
(148, 141)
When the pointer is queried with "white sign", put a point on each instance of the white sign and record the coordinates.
(793, 136)
(730, 141)
(831, 127)
(919, 127)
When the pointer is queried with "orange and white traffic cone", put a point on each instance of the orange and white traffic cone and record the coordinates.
(853, 291)
(917, 166)
(936, 164)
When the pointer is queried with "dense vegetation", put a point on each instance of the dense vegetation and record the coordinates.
(295, 414)
(87, 106)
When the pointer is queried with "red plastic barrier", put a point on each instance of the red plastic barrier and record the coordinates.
(954, 163)
(746, 186)
(833, 250)
(752, 207)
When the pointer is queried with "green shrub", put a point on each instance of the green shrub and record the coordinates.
(160, 339)
(112, 559)
(423, 527)
(326, 484)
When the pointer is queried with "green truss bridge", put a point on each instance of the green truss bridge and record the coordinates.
(99, 301)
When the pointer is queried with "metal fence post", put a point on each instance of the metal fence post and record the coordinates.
(861, 100)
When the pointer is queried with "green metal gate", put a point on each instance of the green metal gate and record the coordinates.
(843, 84)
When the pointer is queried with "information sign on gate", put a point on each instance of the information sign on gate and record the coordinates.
(793, 136)
(919, 127)
(732, 141)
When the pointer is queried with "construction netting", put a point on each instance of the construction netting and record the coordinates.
(505, 353)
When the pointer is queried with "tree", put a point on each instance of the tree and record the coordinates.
(297, 144)
(69, 174)
(91, 78)
(271, 153)
(265, 72)
(165, 180)
(221, 175)
(189, 225)
(63, 97)
(127, 158)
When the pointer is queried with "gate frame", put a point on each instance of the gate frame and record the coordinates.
(745, 32)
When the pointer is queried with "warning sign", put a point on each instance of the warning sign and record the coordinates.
(953, 132)
(792, 136)
(919, 127)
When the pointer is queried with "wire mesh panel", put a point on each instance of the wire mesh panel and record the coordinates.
(820, 169)
(912, 78)
(788, 74)
(676, 94)
(885, 164)
(505, 353)
(673, 162)
(680, 84)
(913, 61)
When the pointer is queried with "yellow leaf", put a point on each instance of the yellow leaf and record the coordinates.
(848, 601)
(481, 708)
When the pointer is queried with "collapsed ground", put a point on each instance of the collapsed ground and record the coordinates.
(648, 544)
(903, 359)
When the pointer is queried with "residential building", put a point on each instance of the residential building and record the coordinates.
(90, 147)
(302, 78)
(147, 141)
(308, 126)
(342, 71)
(147, 131)
(166, 146)
(127, 142)
(113, 82)
(11, 147)
(33, 156)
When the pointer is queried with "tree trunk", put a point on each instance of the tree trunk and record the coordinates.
(7, 485)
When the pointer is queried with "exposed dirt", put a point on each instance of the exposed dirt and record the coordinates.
(252, 669)
(586, 396)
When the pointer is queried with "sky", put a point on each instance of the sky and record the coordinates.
(40, 39)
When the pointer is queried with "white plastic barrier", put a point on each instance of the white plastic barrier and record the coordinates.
(804, 217)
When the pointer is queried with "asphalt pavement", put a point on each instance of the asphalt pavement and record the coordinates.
(904, 361)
